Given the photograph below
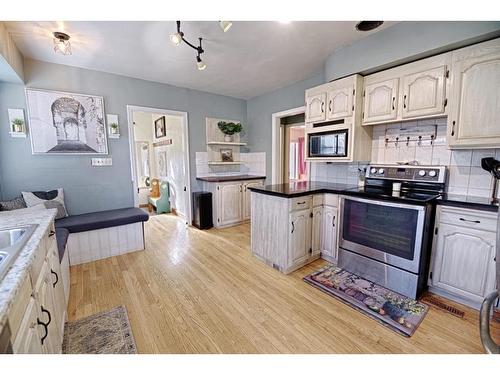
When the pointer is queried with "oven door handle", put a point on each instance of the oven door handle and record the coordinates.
(384, 203)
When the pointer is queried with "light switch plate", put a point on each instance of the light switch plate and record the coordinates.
(102, 162)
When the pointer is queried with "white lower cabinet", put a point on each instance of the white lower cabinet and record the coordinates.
(329, 234)
(42, 321)
(463, 258)
(231, 201)
(299, 241)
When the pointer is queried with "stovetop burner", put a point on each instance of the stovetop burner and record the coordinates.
(404, 194)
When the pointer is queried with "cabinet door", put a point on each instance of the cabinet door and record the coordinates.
(317, 223)
(464, 262)
(299, 243)
(424, 93)
(27, 340)
(49, 330)
(315, 108)
(329, 232)
(340, 103)
(474, 118)
(55, 281)
(380, 101)
(230, 197)
(247, 201)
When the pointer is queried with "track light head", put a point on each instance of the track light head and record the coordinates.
(200, 64)
(225, 25)
(176, 38)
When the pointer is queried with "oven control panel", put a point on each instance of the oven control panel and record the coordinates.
(408, 173)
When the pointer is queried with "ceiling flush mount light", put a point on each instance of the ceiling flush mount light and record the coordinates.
(225, 25)
(368, 25)
(61, 43)
(178, 38)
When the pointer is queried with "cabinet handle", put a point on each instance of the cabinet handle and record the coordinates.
(293, 227)
(240, 189)
(301, 202)
(57, 277)
(39, 322)
(470, 221)
(330, 106)
(48, 313)
(404, 101)
(51, 233)
(393, 103)
(333, 222)
(322, 107)
(453, 128)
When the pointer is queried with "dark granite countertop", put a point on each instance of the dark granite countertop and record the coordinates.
(467, 201)
(298, 189)
(230, 178)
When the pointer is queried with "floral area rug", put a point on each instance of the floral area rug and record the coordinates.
(397, 312)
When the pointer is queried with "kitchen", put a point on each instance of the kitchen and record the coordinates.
(387, 243)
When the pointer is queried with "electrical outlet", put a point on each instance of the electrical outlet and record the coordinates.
(102, 162)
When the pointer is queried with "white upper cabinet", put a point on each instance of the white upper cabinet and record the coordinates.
(340, 102)
(315, 108)
(474, 119)
(424, 93)
(380, 101)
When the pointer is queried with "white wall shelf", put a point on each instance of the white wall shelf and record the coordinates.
(225, 162)
(226, 143)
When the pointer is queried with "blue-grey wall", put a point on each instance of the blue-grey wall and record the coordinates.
(261, 108)
(404, 42)
(89, 188)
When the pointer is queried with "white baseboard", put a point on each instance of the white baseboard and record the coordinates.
(97, 244)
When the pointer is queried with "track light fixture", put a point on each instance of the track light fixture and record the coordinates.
(178, 37)
(61, 43)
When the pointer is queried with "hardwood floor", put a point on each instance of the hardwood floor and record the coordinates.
(195, 291)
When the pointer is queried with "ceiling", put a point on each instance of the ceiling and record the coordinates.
(252, 58)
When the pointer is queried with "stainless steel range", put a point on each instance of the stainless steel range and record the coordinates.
(385, 228)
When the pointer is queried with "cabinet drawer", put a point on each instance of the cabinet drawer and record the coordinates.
(469, 218)
(300, 203)
(331, 200)
(318, 199)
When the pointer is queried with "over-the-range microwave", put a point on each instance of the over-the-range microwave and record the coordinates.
(329, 144)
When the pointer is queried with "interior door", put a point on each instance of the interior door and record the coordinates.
(381, 101)
(424, 93)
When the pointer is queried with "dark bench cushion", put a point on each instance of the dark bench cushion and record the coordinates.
(102, 219)
(62, 235)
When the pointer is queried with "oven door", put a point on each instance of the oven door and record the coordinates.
(389, 232)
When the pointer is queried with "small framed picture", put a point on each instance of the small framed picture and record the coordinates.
(160, 127)
(226, 154)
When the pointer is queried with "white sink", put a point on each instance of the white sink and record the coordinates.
(12, 241)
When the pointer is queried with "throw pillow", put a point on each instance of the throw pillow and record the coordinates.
(13, 204)
(50, 199)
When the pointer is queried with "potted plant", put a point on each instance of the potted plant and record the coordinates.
(114, 128)
(17, 125)
(229, 128)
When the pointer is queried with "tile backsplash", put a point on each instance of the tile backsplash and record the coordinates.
(465, 175)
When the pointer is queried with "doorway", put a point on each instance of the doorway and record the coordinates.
(159, 149)
(288, 141)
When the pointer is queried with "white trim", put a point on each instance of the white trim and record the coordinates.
(277, 142)
(130, 120)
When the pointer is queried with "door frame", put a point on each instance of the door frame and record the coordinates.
(277, 143)
(130, 121)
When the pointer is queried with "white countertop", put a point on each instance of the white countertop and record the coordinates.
(9, 286)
